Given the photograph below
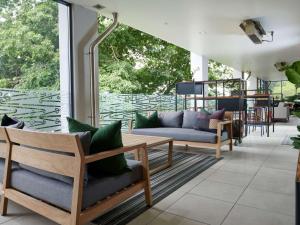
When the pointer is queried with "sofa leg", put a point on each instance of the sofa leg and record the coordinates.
(230, 145)
(218, 152)
(186, 147)
(4, 202)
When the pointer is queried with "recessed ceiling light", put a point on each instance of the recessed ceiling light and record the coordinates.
(98, 6)
(202, 32)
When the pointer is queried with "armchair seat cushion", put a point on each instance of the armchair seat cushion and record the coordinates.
(182, 134)
(59, 193)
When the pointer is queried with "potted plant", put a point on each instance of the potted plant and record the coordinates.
(292, 73)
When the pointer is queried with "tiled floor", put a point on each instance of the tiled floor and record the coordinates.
(253, 185)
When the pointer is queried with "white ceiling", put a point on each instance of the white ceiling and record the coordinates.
(211, 28)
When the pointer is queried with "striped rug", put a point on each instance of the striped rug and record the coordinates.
(185, 167)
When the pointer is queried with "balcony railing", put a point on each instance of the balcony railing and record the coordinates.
(41, 109)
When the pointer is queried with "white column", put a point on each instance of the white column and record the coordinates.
(237, 74)
(252, 82)
(85, 29)
(199, 67)
(64, 57)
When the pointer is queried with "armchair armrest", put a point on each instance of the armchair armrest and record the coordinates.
(130, 125)
(107, 154)
(228, 126)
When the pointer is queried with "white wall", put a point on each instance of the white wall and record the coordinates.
(85, 29)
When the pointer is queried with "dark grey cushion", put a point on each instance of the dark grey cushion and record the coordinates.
(181, 134)
(18, 125)
(60, 193)
(189, 119)
(170, 119)
(85, 138)
(2, 164)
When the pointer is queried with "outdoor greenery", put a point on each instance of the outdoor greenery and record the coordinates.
(130, 61)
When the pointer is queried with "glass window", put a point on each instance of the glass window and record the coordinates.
(33, 41)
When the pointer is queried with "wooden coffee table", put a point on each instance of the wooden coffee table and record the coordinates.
(151, 141)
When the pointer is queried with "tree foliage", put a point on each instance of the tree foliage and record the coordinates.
(130, 61)
(134, 62)
(29, 44)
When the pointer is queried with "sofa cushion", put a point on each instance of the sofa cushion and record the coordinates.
(189, 119)
(11, 122)
(209, 121)
(171, 119)
(2, 164)
(146, 122)
(60, 193)
(181, 134)
(108, 137)
(105, 138)
(85, 139)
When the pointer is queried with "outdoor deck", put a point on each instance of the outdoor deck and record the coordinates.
(253, 185)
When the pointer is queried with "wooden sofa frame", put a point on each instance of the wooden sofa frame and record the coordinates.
(20, 148)
(227, 124)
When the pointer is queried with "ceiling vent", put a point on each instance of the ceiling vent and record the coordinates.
(255, 31)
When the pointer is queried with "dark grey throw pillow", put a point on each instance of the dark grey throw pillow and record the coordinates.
(189, 119)
(85, 139)
(171, 119)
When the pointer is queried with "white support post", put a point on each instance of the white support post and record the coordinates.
(199, 69)
(64, 57)
(85, 29)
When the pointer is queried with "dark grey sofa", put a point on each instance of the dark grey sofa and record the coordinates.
(59, 193)
(180, 126)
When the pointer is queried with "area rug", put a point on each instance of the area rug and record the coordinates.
(287, 140)
(185, 167)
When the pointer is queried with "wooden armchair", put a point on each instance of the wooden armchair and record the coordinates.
(63, 154)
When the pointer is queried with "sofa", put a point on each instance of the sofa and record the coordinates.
(46, 172)
(180, 127)
(281, 112)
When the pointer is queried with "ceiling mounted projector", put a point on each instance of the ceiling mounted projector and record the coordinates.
(255, 31)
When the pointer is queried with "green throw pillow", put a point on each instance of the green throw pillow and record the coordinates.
(103, 139)
(145, 122)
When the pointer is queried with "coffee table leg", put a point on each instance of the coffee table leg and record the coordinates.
(170, 154)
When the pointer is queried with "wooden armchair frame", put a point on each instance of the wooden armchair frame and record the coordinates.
(227, 124)
(22, 149)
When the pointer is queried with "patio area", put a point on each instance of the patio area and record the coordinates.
(253, 185)
(149, 112)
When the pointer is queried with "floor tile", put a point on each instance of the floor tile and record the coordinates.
(171, 219)
(240, 168)
(30, 220)
(231, 178)
(146, 217)
(201, 209)
(280, 164)
(266, 200)
(217, 190)
(168, 201)
(279, 183)
(243, 215)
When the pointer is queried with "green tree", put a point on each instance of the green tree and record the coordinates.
(134, 62)
(29, 44)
